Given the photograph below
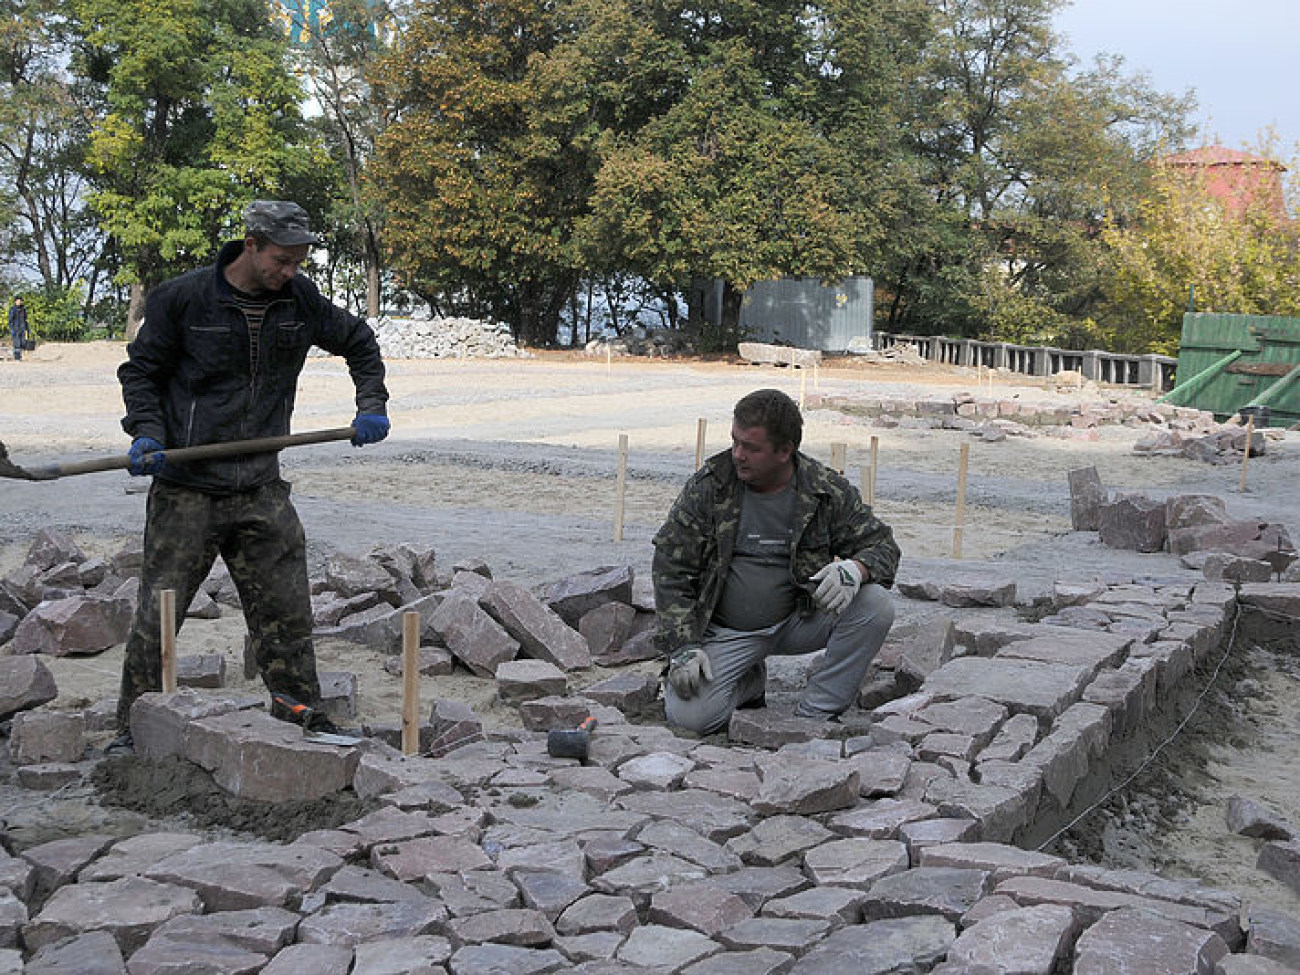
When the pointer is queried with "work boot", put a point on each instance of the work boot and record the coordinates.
(123, 744)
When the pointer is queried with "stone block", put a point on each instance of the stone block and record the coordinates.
(473, 636)
(1028, 939)
(540, 631)
(92, 953)
(338, 694)
(316, 959)
(158, 720)
(1041, 689)
(574, 596)
(452, 725)
(201, 670)
(1132, 941)
(129, 909)
(236, 876)
(37, 737)
(629, 692)
(25, 683)
(73, 625)
(526, 680)
(1133, 522)
(254, 756)
(1087, 495)
(607, 627)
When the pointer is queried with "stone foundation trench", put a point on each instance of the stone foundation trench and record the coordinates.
(904, 840)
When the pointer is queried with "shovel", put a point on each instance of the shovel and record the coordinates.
(232, 448)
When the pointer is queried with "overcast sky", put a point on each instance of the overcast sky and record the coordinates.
(1239, 56)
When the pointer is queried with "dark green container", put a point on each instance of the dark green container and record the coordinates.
(1240, 364)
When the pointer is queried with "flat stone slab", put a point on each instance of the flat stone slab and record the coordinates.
(233, 876)
(129, 909)
(1031, 686)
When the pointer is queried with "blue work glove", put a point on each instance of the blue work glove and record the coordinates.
(146, 456)
(369, 428)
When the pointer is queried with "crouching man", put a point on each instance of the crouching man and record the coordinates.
(767, 551)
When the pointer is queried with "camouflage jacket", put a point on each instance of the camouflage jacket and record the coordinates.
(693, 548)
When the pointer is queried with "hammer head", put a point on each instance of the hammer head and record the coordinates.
(571, 742)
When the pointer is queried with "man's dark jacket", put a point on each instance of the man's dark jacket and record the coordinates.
(189, 380)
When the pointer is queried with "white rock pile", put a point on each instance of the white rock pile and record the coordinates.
(444, 338)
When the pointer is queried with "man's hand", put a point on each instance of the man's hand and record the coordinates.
(838, 582)
(689, 670)
(146, 456)
(369, 428)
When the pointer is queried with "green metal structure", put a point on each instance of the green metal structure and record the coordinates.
(1229, 364)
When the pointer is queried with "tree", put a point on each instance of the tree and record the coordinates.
(1245, 263)
(199, 115)
(338, 54)
(480, 177)
(777, 159)
(1023, 157)
(44, 121)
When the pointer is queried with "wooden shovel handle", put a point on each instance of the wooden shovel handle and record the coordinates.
(231, 448)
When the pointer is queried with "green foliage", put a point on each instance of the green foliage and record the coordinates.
(200, 114)
(54, 315)
(1245, 263)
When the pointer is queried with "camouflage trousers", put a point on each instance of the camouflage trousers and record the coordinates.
(261, 539)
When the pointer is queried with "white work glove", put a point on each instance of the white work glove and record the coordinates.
(838, 582)
(689, 670)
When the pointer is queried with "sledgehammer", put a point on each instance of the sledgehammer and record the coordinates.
(571, 742)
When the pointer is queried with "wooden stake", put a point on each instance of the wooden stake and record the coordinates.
(620, 487)
(1245, 457)
(875, 454)
(410, 682)
(167, 621)
(803, 383)
(700, 425)
(609, 358)
(838, 453)
(961, 500)
(817, 381)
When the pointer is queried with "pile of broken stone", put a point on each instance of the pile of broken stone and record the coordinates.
(427, 337)
(886, 843)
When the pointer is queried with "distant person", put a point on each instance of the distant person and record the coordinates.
(18, 326)
(767, 551)
(217, 359)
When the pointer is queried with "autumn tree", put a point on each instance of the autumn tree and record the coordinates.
(1023, 155)
(1243, 261)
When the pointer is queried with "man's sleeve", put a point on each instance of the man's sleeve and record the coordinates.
(150, 360)
(865, 537)
(678, 567)
(344, 334)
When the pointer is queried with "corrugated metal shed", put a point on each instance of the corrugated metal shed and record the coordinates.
(805, 312)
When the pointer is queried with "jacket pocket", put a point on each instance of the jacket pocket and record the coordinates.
(211, 347)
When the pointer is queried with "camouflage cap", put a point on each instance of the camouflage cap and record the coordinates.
(279, 221)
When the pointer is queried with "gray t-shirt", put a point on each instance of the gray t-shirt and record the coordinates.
(758, 590)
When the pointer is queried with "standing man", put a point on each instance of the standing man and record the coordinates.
(18, 326)
(217, 359)
(766, 551)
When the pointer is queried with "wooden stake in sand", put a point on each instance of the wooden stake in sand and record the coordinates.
(803, 382)
(838, 454)
(620, 487)
(700, 425)
(410, 682)
(871, 481)
(1245, 457)
(961, 500)
(167, 622)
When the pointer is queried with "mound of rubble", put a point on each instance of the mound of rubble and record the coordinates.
(641, 341)
(444, 338)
